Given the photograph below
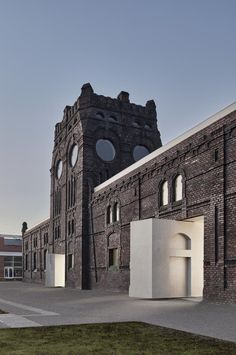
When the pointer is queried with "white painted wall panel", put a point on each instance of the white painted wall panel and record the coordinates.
(166, 258)
(55, 272)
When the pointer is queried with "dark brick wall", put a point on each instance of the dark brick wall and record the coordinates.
(209, 184)
(35, 240)
(91, 118)
(206, 161)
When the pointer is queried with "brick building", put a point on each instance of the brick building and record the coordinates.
(10, 257)
(109, 168)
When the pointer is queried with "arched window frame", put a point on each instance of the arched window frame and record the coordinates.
(164, 189)
(100, 115)
(116, 212)
(178, 188)
(45, 259)
(113, 251)
(112, 213)
(34, 261)
(109, 215)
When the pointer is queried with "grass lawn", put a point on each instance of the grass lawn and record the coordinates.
(114, 338)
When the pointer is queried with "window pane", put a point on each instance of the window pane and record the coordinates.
(105, 149)
(178, 186)
(8, 261)
(17, 261)
(70, 261)
(164, 194)
(73, 154)
(59, 169)
(139, 152)
(113, 257)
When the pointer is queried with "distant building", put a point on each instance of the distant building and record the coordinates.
(10, 257)
(130, 214)
(35, 249)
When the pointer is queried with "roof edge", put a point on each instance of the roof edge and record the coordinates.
(37, 225)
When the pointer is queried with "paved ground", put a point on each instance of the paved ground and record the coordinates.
(35, 305)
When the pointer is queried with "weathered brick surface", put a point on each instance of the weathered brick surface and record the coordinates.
(35, 240)
(207, 183)
(206, 161)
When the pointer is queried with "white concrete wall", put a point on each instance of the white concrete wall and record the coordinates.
(161, 265)
(141, 259)
(55, 272)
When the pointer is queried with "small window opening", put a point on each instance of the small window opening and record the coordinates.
(109, 215)
(34, 261)
(70, 261)
(45, 259)
(178, 188)
(99, 115)
(116, 214)
(26, 262)
(216, 155)
(164, 194)
(112, 118)
(113, 258)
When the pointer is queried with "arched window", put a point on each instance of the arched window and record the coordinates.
(99, 115)
(26, 261)
(109, 215)
(45, 259)
(116, 212)
(164, 194)
(34, 261)
(178, 188)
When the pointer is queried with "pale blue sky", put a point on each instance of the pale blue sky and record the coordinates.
(181, 53)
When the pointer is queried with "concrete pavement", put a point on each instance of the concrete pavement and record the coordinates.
(36, 305)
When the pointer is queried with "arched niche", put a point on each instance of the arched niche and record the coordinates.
(180, 241)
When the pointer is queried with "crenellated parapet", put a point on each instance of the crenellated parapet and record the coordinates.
(121, 104)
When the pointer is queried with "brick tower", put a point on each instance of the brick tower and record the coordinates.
(97, 138)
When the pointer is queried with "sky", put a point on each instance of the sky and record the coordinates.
(181, 53)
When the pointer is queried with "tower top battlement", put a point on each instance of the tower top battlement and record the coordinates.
(121, 104)
(88, 98)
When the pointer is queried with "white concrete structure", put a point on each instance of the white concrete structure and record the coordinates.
(166, 258)
(55, 272)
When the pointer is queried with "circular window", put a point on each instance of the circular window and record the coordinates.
(73, 154)
(105, 149)
(139, 152)
(59, 169)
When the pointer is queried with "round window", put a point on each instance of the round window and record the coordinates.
(105, 149)
(73, 154)
(59, 169)
(139, 152)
